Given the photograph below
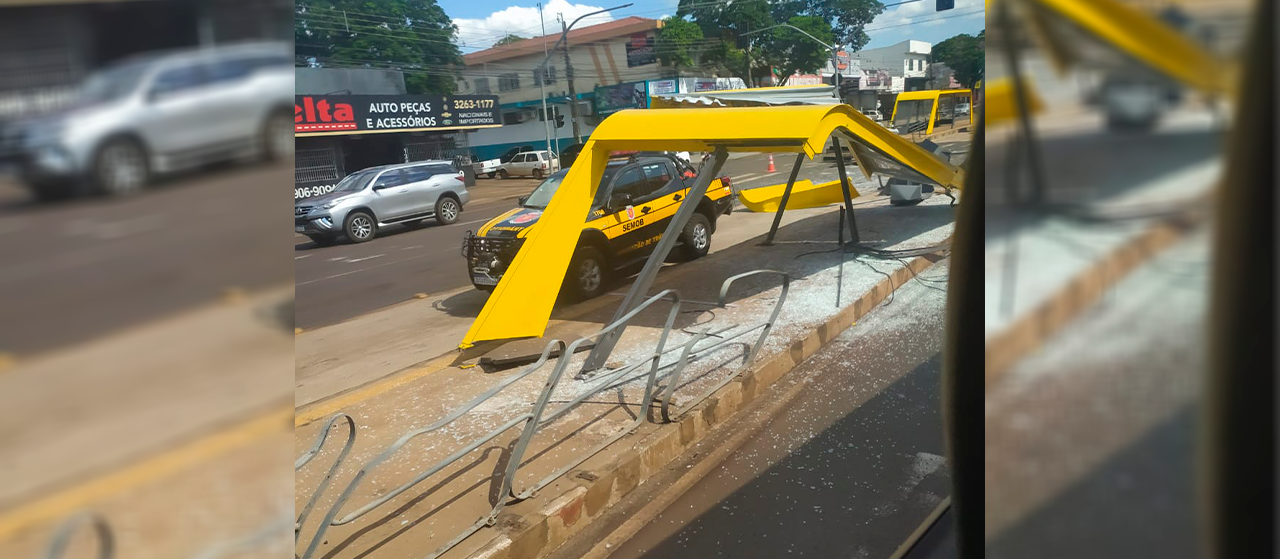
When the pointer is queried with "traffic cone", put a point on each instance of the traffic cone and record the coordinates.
(771, 167)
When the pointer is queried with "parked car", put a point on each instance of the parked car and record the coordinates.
(962, 109)
(632, 208)
(490, 167)
(379, 196)
(569, 154)
(158, 113)
(873, 114)
(536, 164)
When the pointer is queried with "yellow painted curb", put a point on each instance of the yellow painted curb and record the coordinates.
(67, 501)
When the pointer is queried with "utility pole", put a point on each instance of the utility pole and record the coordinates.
(541, 75)
(568, 74)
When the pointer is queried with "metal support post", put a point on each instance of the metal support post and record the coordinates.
(604, 346)
(1024, 113)
(840, 243)
(786, 195)
(845, 186)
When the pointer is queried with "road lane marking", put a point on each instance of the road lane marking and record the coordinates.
(301, 257)
(196, 452)
(366, 258)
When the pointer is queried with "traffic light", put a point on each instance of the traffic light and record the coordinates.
(559, 120)
(945, 5)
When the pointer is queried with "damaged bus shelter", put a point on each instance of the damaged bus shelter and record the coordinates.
(521, 304)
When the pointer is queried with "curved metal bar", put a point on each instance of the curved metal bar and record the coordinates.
(328, 477)
(675, 374)
(251, 542)
(765, 327)
(391, 450)
(777, 308)
(538, 420)
(62, 536)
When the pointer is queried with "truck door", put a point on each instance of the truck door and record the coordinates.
(628, 227)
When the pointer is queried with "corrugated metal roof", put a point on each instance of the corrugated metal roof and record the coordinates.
(758, 97)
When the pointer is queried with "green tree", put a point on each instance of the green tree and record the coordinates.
(415, 36)
(790, 51)
(677, 41)
(965, 55)
(510, 38)
(833, 21)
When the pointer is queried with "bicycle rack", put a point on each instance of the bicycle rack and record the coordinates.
(106, 538)
(539, 416)
(62, 536)
(764, 327)
(311, 453)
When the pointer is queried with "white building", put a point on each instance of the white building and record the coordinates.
(908, 61)
(609, 54)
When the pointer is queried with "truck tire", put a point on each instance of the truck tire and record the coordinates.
(503, 173)
(447, 210)
(491, 175)
(695, 240)
(360, 227)
(587, 273)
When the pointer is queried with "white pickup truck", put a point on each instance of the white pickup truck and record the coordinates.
(489, 168)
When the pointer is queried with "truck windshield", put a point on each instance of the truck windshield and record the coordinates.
(541, 196)
(355, 182)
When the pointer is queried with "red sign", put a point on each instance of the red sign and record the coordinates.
(631, 212)
(525, 218)
(312, 116)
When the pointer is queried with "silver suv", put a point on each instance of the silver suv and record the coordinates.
(158, 113)
(379, 196)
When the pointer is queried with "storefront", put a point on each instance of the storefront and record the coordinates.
(339, 134)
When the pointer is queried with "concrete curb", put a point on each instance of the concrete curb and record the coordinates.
(1026, 334)
(530, 535)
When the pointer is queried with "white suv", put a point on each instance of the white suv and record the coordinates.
(537, 164)
(157, 113)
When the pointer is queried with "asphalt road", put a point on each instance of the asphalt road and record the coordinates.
(849, 469)
(346, 280)
(341, 282)
(79, 270)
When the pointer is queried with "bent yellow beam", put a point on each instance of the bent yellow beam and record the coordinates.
(521, 303)
(804, 194)
(1144, 38)
(1001, 103)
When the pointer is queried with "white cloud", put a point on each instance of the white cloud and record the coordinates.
(523, 21)
(922, 12)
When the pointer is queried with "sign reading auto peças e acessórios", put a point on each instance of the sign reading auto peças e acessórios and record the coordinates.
(355, 114)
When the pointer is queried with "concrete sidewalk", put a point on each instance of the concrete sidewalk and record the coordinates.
(428, 515)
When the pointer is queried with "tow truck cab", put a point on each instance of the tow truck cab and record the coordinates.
(632, 208)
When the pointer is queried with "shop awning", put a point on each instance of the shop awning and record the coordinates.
(757, 97)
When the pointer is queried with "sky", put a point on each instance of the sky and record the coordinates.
(481, 22)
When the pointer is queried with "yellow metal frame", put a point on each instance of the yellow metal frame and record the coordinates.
(935, 95)
(1140, 36)
(1001, 105)
(521, 303)
(804, 194)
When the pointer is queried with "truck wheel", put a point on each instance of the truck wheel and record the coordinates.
(447, 210)
(503, 173)
(537, 173)
(360, 227)
(695, 240)
(491, 175)
(120, 168)
(587, 273)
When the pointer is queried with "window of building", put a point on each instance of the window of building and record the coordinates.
(508, 82)
(482, 85)
(550, 76)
